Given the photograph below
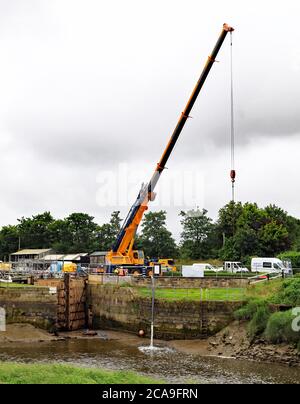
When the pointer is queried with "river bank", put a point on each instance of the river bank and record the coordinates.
(231, 342)
(16, 373)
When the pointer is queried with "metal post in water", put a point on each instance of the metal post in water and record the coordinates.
(152, 317)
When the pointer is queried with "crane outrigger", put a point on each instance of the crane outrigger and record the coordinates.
(122, 253)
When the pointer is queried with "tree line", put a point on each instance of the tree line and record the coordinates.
(240, 231)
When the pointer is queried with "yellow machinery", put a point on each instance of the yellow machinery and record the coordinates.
(5, 267)
(167, 264)
(122, 252)
(69, 267)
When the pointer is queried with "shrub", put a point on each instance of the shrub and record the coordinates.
(248, 311)
(259, 321)
(258, 312)
(289, 293)
(279, 328)
(293, 256)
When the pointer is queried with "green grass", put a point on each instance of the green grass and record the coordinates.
(17, 285)
(275, 327)
(12, 373)
(264, 290)
(216, 294)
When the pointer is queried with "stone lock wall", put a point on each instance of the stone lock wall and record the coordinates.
(209, 282)
(121, 308)
(34, 305)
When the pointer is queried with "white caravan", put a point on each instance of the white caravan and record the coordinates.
(267, 265)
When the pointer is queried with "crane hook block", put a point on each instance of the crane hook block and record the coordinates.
(233, 175)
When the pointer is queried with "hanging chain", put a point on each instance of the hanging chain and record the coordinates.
(232, 120)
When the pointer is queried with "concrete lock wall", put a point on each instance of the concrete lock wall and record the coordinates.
(121, 308)
(34, 305)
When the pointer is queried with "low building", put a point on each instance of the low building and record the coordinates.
(98, 258)
(30, 255)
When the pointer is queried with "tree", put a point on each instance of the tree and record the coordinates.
(34, 231)
(197, 227)
(9, 241)
(155, 239)
(81, 232)
(228, 218)
(274, 239)
(108, 232)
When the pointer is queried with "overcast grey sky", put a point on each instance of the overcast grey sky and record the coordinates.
(88, 85)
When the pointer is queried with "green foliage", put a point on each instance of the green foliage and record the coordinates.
(76, 233)
(195, 237)
(275, 327)
(274, 238)
(107, 233)
(155, 239)
(293, 256)
(248, 311)
(279, 328)
(289, 293)
(259, 321)
(12, 373)
(251, 231)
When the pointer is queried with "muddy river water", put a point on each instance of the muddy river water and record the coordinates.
(169, 365)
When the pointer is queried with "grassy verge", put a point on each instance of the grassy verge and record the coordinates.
(275, 327)
(17, 285)
(216, 294)
(12, 373)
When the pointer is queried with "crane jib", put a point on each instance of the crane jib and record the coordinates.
(144, 194)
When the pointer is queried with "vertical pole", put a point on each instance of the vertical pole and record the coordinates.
(152, 308)
(67, 282)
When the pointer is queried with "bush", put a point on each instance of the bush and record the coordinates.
(259, 321)
(248, 311)
(293, 256)
(289, 293)
(279, 328)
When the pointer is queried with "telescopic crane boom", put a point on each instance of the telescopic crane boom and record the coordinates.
(122, 251)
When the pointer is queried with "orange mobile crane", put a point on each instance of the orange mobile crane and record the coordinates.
(122, 253)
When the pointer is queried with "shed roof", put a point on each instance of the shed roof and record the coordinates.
(98, 253)
(73, 257)
(32, 251)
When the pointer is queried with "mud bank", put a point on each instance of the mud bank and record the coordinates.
(25, 333)
(233, 342)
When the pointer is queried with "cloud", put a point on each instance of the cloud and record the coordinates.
(88, 85)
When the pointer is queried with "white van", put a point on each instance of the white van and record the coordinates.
(235, 267)
(269, 265)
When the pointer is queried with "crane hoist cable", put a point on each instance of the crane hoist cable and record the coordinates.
(233, 171)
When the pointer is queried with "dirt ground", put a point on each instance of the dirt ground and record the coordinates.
(25, 333)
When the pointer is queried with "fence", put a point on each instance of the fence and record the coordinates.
(195, 294)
